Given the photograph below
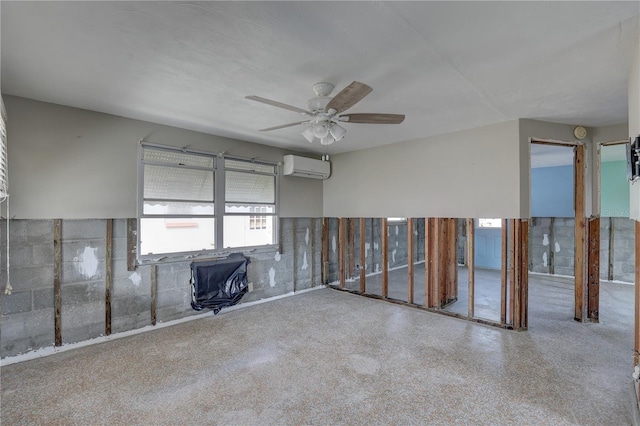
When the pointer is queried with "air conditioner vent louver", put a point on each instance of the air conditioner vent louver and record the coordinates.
(306, 167)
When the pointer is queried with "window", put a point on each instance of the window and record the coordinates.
(180, 208)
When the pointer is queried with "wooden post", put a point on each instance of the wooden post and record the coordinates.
(471, 265)
(384, 233)
(294, 252)
(581, 282)
(352, 247)
(452, 257)
(410, 259)
(512, 276)
(325, 250)
(516, 275)
(593, 263)
(611, 254)
(428, 231)
(342, 238)
(132, 241)
(504, 254)
(443, 266)
(636, 322)
(524, 275)
(312, 243)
(57, 273)
(154, 292)
(363, 258)
(552, 252)
(108, 284)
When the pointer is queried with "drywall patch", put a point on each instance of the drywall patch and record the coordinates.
(272, 277)
(545, 240)
(367, 246)
(305, 265)
(306, 237)
(333, 243)
(135, 278)
(557, 247)
(86, 262)
(393, 255)
(544, 259)
(278, 256)
(375, 246)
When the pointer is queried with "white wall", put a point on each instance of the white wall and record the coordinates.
(634, 125)
(71, 163)
(471, 173)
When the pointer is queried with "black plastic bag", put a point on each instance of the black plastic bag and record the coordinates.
(218, 283)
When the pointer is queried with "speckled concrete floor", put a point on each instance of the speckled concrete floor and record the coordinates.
(328, 357)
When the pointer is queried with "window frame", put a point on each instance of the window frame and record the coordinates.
(219, 204)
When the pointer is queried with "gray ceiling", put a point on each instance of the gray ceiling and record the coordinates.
(446, 65)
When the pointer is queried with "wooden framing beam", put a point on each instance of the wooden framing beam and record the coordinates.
(294, 252)
(452, 260)
(363, 258)
(108, 279)
(410, 260)
(581, 281)
(515, 260)
(552, 243)
(342, 247)
(636, 320)
(593, 262)
(428, 266)
(471, 235)
(154, 292)
(384, 237)
(132, 241)
(325, 251)
(512, 275)
(443, 259)
(352, 247)
(57, 273)
(611, 251)
(312, 243)
(524, 275)
(504, 266)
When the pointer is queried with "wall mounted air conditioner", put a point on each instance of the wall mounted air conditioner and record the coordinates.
(306, 167)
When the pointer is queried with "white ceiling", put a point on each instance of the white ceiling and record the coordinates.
(446, 65)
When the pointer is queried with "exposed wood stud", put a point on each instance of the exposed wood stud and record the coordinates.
(280, 235)
(352, 247)
(611, 237)
(581, 282)
(154, 292)
(410, 260)
(384, 233)
(636, 321)
(524, 275)
(504, 255)
(452, 260)
(325, 251)
(363, 258)
(516, 275)
(512, 276)
(443, 259)
(312, 243)
(593, 263)
(108, 285)
(471, 265)
(342, 238)
(57, 273)
(427, 263)
(132, 241)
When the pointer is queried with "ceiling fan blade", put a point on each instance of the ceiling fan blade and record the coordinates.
(283, 126)
(349, 96)
(277, 104)
(373, 118)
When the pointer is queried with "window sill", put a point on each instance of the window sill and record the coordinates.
(212, 254)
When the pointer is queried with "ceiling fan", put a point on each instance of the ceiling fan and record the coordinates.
(324, 112)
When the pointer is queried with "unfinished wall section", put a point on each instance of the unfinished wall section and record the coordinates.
(27, 316)
(552, 245)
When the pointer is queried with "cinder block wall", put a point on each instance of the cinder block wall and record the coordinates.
(27, 314)
(552, 245)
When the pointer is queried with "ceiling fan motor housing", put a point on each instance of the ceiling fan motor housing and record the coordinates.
(318, 104)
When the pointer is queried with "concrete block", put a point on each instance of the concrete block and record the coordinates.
(564, 271)
(119, 249)
(175, 297)
(22, 255)
(77, 294)
(26, 331)
(83, 322)
(84, 269)
(132, 322)
(135, 283)
(30, 278)
(130, 305)
(15, 302)
(42, 254)
(119, 228)
(83, 251)
(43, 298)
(84, 229)
(39, 231)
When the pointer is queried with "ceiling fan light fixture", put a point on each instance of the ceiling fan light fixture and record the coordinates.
(327, 140)
(337, 131)
(320, 131)
(308, 134)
